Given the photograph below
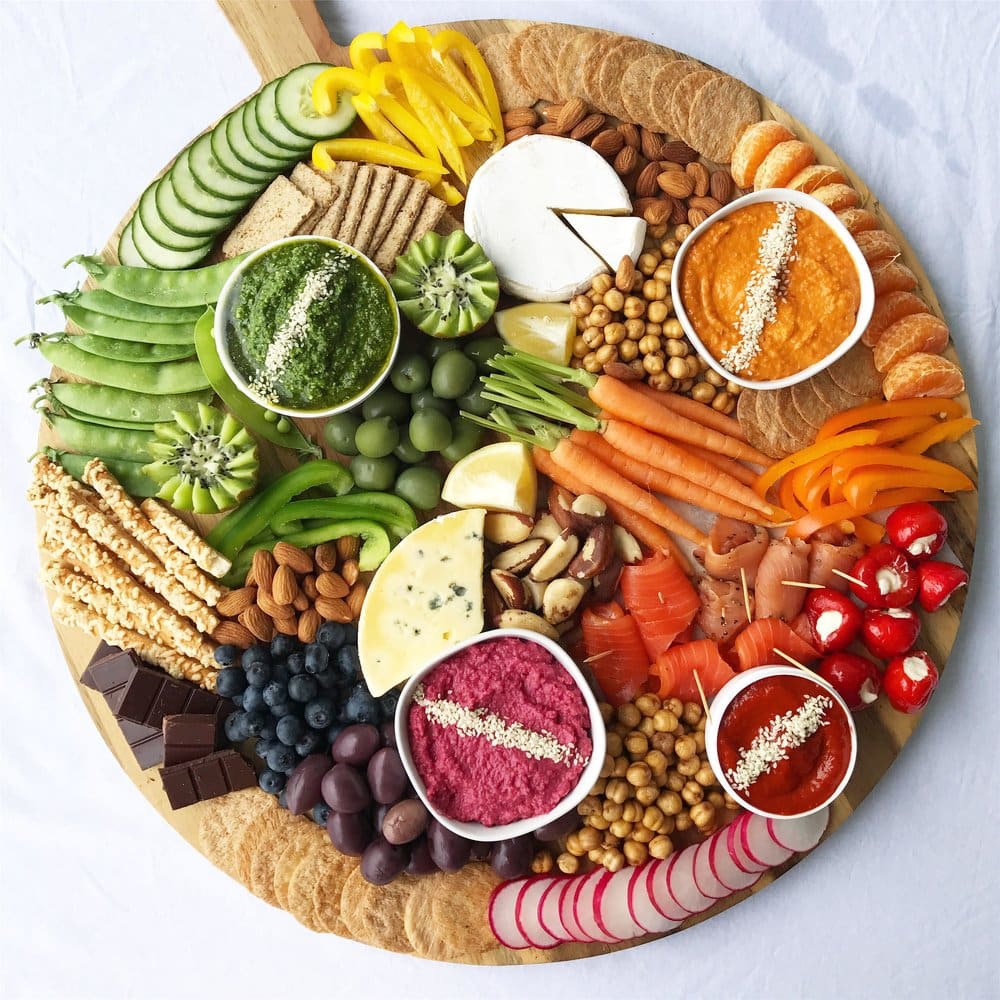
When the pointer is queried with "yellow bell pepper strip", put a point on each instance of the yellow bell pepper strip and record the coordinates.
(376, 123)
(447, 70)
(363, 48)
(423, 104)
(949, 430)
(851, 459)
(328, 152)
(818, 450)
(447, 98)
(898, 428)
(448, 193)
(331, 82)
(923, 407)
(475, 65)
(397, 112)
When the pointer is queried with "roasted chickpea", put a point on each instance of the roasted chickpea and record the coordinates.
(591, 364)
(675, 705)
(669, 248)
(692, 793)
(717, 799)
(580, 347)
(664, 721)
(699, 740)
(653, 818)
(677, 348)
(704, 392)
(618, 790)
(610, 840)
(647, 263)
(611, 810)
(608, 766)
(646, 795)
(714, 378)
(662, 382)
(621, 766)
(588, 838)
(596, 855)
(704, 776)
(648, 704)
(662, 273)
(653, 364)
(670, 803)
(657, 232)
(689, 768)
(596, 298)
(654, 289)
(661, 847)
(621, 828)
(629, 715)
(731, 803)
(657, 761)
(649, 344)
(614, 744)
(638, 775)
(641, 835)
(614, 333)
(685, 747)
(590, 805)
(628, 350)
(654, 329)
(599, 786)
(675, 781)
(606, 353)
(631, 812)
(541, 863)
(692, 713)
(683, 822)
(664, 742)
(721, 401)
(634, 307)
(703, 815)
(675, 368)
(613, 860)
(580, 305)
(635, 853)
(693, 363)
(635, 329)
(602, 283)
(682, 232)
(636, 743)
(672, 328)
(657, 312)
(600, 316)
(593, 337)
(646, 727)
(621, 728)
(598, 822)
(567, 863)
(574, 846)
(614, 299)
(733, 389)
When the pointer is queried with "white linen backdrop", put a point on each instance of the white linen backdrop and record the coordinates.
(101, 900)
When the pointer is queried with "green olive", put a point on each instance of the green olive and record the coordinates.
(386, 402)
(473, 401)
(339, 431)
(426, 400)
(420, 487)
(373, 473)
(430, 430)
(411, 373)
(453, 374)
(481, 349)
(376, 438)
(406, 451)
(465, 438)
(434, 348)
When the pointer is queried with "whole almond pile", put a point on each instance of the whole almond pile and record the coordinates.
(292, 591)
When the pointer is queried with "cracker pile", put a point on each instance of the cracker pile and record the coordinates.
(121, 577)
(289, 862)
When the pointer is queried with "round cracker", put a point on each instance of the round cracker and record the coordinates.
(856, 373)
(496, 51)
(832, 395)
(223, 820)
(635, 88)
(572, 58)
(374, 913)
(257, 836)
(799, 434)
(682, 96)
(746, 413)
(590, 68)
(538, 58)
(305, 838)
(810, 408)
(661, 91)
(335, 870)
(446, 915)
(514, 55)
(720, 111)
(780, 441)
(608, 86)
(268, 840)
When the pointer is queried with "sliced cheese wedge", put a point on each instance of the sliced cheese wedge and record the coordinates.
(611, 237)
(425, 597)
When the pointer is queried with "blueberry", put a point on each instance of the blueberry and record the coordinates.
(296, 663)
(234, 727)
(326, 679)
(319, 713)
(387, 704)
(275, 694)
(264, 745)
(302, 688)
(317, 657)
(282, 758)
(279, 672)
(253, 698)
(283, 798)
(361, 706)
(226, 655)
(269, 731)
(230, 681)
(290, 729)
(334, 731)
(258, 673)
(351, 633)
(331, 634)
(281, 646)
(285, 708)
(348, 664)
(255, 721)
(271, 781)
(311, 741)
(321, 813)
(257, 653)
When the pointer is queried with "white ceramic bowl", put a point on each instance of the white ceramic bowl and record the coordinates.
(717, 710)
(800, 200)
(227, 302)
(477, 831)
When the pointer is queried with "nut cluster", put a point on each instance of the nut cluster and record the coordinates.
(292, 591)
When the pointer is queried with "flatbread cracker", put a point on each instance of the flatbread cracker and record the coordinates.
(769, 416)
(222, 818)
(259, 849)
(495, 50)
(316, 185)
(569, 70)
(323, 874)
(635, 88)
(514, 57)
(539, 56)
(720, 111)
(798, 433)
(356, 204)
(661, 91)
(682, 96)
(382, 178)
(856, 373)
(343, 175)
(750, 420)
(303, 883)
(620, 55)
(374, 913)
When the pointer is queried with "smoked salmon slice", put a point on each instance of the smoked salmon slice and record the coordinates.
(661, 598)
(755, 646)
(675, 668)
(618, 657)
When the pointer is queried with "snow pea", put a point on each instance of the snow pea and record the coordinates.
(175, 289)
(129, 474)
(99, 301)
(245, 523)
(385, 508)
(47, 404)
(109, 403)
(105, 442)
(170, 377)
(252, 415)
(101, 325)
(127, 350)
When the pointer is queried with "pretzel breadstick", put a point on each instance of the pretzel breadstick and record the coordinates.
(73, 613)
(173, 558)
(187, 540)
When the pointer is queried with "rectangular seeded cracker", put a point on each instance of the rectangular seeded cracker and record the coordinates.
(356, 204)
(382, 179)
(401, 184)
(343, 175)
(316, 185)
(428, 219)
(398, 234)
(277, 213)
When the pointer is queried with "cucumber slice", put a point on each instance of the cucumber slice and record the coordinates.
(211, 175)
(230, 161)
(154, 224)
(182, 219)
(259, 139)
(246, 152)
(273, 127)
(127, 253)
(198, 199)
(155, 254)
(293, 99)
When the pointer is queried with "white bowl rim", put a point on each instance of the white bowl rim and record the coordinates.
(223, 308)
(722, 701)
(478, 831)
(801, 200)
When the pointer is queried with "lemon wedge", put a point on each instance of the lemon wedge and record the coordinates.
(497, 477)
(544, 329)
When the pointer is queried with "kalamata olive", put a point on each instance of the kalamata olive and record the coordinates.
(386, 776)
(303, 790)
(405, 821)
(349, 832)
(481, 851)
(355, 745)
(344, 789)
(387, 731)
(421, 862)
(449, 851)
(381, 811)
(558, 828)
(512, 858)
(383, 861)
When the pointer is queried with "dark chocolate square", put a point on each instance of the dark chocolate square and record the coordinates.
(145, 741)
(188, 737)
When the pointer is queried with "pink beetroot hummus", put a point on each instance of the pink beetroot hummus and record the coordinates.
(499, 732)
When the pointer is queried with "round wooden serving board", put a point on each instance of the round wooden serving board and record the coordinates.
(281, 36)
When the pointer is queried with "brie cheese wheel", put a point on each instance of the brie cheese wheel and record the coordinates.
(611, 237)
(509, 212)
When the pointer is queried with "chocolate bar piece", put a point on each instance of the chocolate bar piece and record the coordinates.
(188, 737)
(206, 778)
(111, 674)
(145, 742)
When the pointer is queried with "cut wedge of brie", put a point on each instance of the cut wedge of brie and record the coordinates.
(611, 237)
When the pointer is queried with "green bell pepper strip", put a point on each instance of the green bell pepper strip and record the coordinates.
(384, 508)
(245, 523)
(134, 481)
(249, 413)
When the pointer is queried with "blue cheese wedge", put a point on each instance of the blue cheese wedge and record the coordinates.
(426, 597)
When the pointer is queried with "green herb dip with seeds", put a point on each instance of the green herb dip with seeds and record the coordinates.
(314, 326)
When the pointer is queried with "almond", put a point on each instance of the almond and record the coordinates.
(356, 598)
(696, 216)
(249, 580)
(679, 152)
(675, 183)
(645, 184)
(233, 633)
(657, 213)
(607, 143)
(236, 602)
(309, 587)
(625, 275)
(333, 609)
(626, 160)
(709, 205)
(271, 607)
(257, 623)
(325, 556)
(286, 626)
(309, 622)
(284, 586)
(721, 186)
(573, 112)
(350, 572)
(630, 133)
(348, 547)
(678, 212)
(331, 585)
(589, 125)
(651, 144)
(670, 165)
(552, 111)
(264, 568)
(519, 117)
(301, 602)
(512, 135)
(549, 128)
(698, 172)
(286, 554)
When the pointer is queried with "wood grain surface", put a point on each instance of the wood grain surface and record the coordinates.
(281, 35)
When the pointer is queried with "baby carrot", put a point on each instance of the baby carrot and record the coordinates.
(735, 469)
(701, 413)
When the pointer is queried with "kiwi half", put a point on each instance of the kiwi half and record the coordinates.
(204, 461)
(446, 285)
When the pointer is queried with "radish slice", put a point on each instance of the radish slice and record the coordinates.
(526, 912)
(586, 907)
(681, 883)
(549, 913)
(611, 907)
(724, 865)
(658, 886)
(567, 908)
(502, 910)
(801, 833)
(734, 841)
(640, 902)
(705, 879)
(760, 845)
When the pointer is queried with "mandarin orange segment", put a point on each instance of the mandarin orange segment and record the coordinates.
(782, 164)
(923, 375)
(877, 245)
(920, 333)
(889, 309)
(858, 220)
(837, 197)
(754, 144)
(891, 276)
(817, 175)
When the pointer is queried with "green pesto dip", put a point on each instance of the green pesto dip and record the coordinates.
(313, 326)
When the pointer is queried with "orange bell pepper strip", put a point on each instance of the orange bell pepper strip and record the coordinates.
(806, 526)
(476, 67)
(922, 407)
(328, 152)
(818, 450)
(818, 489)
(363, 48)
(851, 459)
(868, 531)
(897, 428)
(424, 105)
(866, 486)
(788, 500)
(803, 477)
(949, 430)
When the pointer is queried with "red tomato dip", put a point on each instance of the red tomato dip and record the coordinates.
(499, 732)
(784, 744)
